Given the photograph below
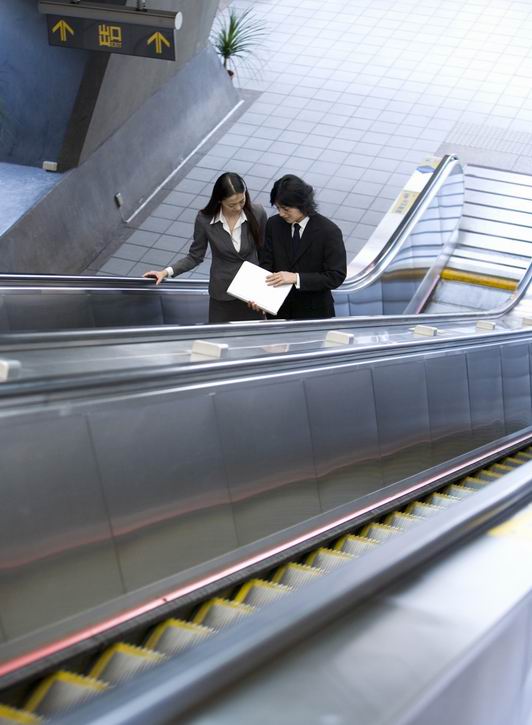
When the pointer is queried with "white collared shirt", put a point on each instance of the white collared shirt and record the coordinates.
(302, 224)
(236, 234)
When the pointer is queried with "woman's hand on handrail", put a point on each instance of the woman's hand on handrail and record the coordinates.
(157, 275)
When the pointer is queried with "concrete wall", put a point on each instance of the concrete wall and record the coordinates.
(78, 217)
(113, 123)
(116, 86)
(38, 86)
(60, 104)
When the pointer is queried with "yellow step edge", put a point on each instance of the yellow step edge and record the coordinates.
(280, 572)
(483, 280)
(442, 495)
(244, 590)
(365, 532)
(473, 479)
(399, 515)
(512, 459)
(489, 473)
(19, 716)
(206, 606)
(40, 692)
(155, 636)
(126, 649)
(338, 546)
(327, 552)
(499, 466)
(524, 454)
(413, 504)
(461, 486)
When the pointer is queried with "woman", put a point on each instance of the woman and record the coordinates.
(234, 228)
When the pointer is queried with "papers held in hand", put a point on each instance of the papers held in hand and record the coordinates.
(249, 284)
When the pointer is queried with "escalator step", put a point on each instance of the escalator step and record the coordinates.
(512, 461)
(294, 575)
(175, 635)
(458, 491)
(441, 499)
(327, 559)
(61, 691)
(355, 545)
(401, 521)
(522, 456)
(217, 613)
(10, 716)
(476, 483)
(122, 660)
(422, 509)
(379, 532)
(258, 592)
(500, 469)
(486, 475)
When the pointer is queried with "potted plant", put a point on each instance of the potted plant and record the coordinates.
(236, 36)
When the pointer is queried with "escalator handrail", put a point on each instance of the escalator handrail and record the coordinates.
(110, 382)
(186, 682)
(96, 282)
(372, 271)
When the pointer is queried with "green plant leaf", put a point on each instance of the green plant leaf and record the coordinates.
(237, 35)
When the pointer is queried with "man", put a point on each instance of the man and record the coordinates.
(303, 249)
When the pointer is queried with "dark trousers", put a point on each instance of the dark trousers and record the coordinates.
(221, 311)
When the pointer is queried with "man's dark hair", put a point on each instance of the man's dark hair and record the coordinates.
(292, 191)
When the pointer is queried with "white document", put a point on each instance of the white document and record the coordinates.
(249, 284)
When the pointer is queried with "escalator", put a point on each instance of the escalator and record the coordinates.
(493, 246)
(249, 446)
(411, 243)
(147, 645)
(109, 482)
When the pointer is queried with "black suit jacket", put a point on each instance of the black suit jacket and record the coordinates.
(320, 263)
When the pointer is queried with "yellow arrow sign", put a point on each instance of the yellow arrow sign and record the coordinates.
(63, 28)
(158, 39)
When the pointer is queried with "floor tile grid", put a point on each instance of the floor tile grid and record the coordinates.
(356, 128)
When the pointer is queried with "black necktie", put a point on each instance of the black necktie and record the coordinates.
(296, 239)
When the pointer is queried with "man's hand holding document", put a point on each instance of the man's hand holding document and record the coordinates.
(249, 284)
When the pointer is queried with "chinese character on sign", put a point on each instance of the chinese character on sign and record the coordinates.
(110, 36)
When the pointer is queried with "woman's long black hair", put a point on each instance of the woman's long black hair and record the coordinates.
(227, 185)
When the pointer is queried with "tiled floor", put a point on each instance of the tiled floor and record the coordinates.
(352, 95)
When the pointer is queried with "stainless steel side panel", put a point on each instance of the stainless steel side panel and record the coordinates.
(4, 320)
(402, 418)
(56, 553)
(185, 309)
(343, 424)
(516, 386)
(485, 394)
(164, 480)
(449, 414)
(48, 309)
(268, 456)
(120, 308)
